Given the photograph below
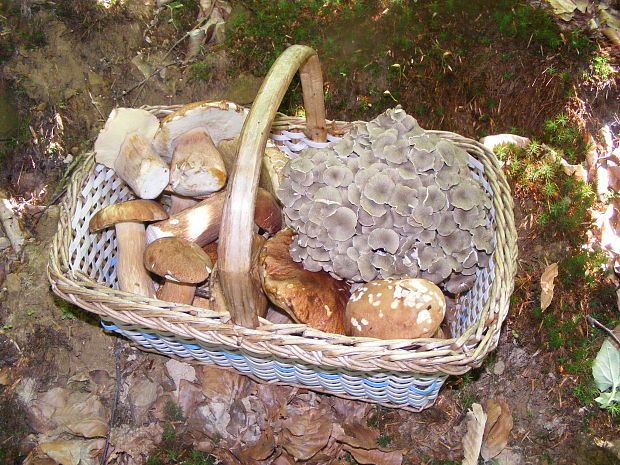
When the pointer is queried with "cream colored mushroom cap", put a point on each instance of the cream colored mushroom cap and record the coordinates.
(120, 123)
(407, 308)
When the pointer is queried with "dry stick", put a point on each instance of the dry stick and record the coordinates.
(117, 393)
(132, 88)
(600, 325)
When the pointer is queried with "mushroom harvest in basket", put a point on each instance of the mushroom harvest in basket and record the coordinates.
(389, 200)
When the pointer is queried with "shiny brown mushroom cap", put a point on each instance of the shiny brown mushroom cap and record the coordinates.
(395, 309)
(177, 260)
(312, 298)
(139, 211)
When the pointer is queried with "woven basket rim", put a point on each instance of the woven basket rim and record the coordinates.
(298, 341)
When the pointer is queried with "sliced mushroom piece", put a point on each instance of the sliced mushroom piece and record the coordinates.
(427, 236)
(128, 218)
(197, 168)
(141, 167)
(363, 175)
(385, 139)
(312, 298)
(423, 216)
(216, 117)
(124, 144)
(181, 263)
(384, 239)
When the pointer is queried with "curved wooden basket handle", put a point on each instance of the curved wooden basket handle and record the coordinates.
(235, 239)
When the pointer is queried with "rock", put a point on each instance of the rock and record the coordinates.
(499, 368)
(178, 371)
(243, 90)
(509, 457)
(491, 142)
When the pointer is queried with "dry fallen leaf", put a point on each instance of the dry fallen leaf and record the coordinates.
(306, 427)
(497, 429)
(547, 284)
(375, 456)
(64, 452)
(472, 441)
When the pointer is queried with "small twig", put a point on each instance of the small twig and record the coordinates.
(600, 325)
(117, 393)
(132, 88)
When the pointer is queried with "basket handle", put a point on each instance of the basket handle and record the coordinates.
(235, 239)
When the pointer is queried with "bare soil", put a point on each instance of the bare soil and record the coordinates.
(66, 67)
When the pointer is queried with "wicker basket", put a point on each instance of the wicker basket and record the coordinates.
(397, 373)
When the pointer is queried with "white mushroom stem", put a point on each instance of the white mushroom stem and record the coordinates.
(181, 293)
(130, 271)
(201, 223)
(141, 167)
(197, 168)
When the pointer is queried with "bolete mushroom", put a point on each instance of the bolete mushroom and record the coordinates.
(201, 222)
(312, 298)
(181, 263)
(408, 308)
(124, 144)
(128, 218)
(197, 168)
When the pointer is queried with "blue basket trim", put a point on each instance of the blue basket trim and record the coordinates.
(329, 376)
(149, 336)
(191, 346)
(232, 356)
(428, 390)
(284, 369)
(373, 384)
(108, 326)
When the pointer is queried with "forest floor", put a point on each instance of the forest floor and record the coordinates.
(73, 393)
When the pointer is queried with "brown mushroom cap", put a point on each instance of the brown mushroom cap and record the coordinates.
(138, 211)
(395, 309)
(312, 298)
(178, 260)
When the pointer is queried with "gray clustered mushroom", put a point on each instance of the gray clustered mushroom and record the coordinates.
(388, 200)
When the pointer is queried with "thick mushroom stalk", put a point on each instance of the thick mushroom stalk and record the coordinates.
(124, 144)
(128, 219)
(201, 223)
(141, 167)
(197, 168)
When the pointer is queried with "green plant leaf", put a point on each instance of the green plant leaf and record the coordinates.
(606, 398)
(606, 372)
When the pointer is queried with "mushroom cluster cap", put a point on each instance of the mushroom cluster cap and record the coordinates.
(395, 309)
(389, 200)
